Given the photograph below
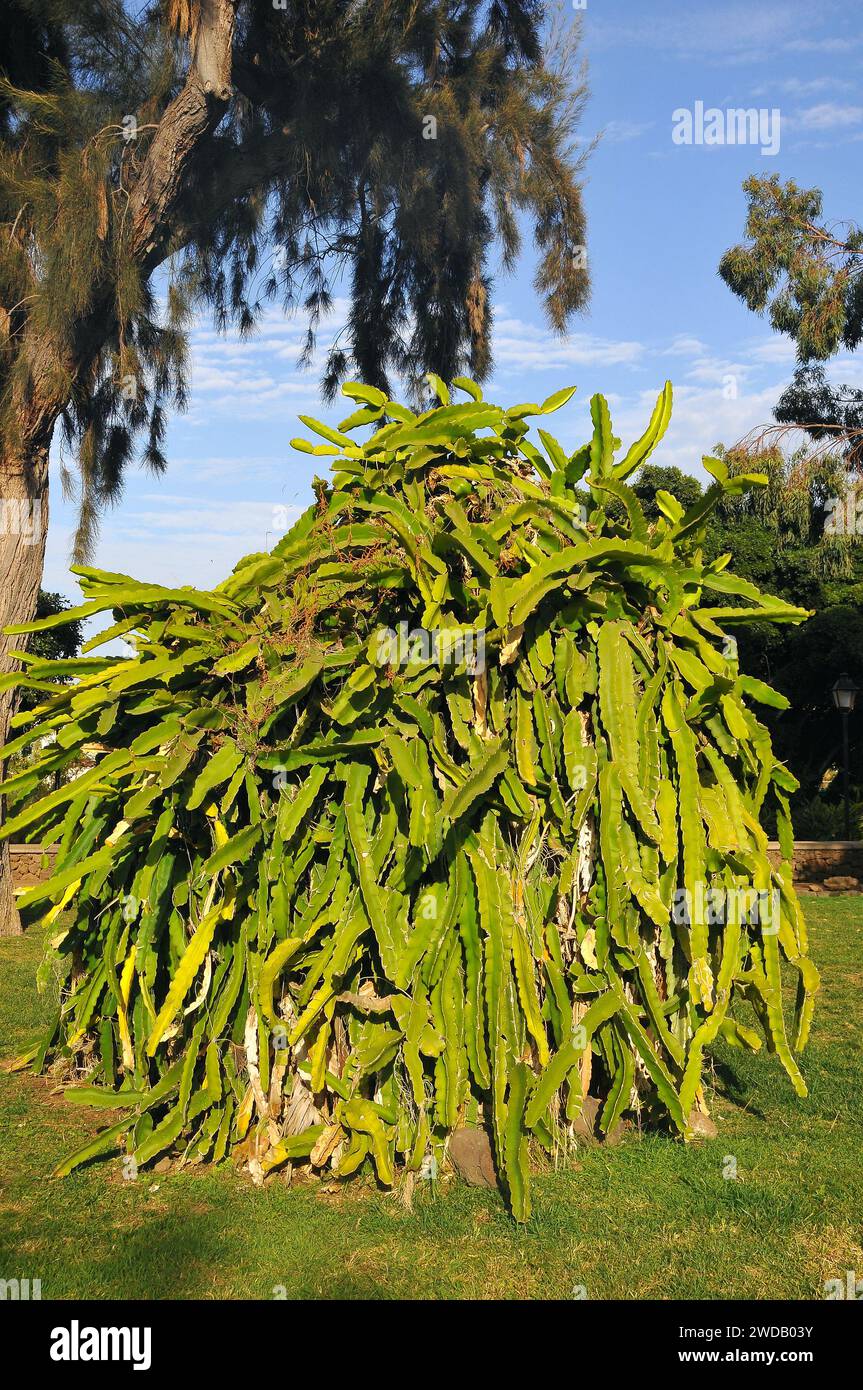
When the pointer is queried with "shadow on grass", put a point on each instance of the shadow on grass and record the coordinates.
(733, 1087)
(174, 1256)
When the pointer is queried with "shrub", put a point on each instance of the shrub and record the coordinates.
(442, 813)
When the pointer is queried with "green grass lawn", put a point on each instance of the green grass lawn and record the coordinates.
(647, 1219)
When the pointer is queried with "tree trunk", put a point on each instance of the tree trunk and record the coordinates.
(23, 530)
(54, 360)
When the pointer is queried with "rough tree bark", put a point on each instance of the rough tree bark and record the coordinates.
(23, 530)
(182, 139)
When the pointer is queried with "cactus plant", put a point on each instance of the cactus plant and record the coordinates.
(446, 811)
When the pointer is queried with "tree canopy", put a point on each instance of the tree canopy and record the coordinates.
(264, 152)
(61, 643)
(776, 535)
(808, 276)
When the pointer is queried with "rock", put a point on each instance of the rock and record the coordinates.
(620, 1131)
(471, 1156)
(702, 1125)
(584, 1125)
(842, 883)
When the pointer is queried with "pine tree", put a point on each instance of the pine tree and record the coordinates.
(251, 150)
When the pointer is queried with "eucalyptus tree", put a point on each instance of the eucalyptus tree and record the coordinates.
(807, 274)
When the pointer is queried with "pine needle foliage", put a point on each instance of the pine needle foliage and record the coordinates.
(439, 814)
(387, 145)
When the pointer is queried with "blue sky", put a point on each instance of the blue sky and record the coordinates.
(660, 216)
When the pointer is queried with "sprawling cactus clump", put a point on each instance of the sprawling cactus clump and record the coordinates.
(446, 812)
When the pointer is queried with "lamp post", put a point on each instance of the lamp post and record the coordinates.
(845, 694)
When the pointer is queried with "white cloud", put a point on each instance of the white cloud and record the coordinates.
(174, 540)
(702, 417)
(227, 468)
(685, 345)
(804, 87)
(778, 349)
(735, 33)
(618, 132)
(828, 115)
(521, 346)
(257, 377)
(847, 371)
(830, 45)
(718, 371)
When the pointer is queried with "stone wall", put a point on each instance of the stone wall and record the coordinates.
(31, 864)
(817, 860)
(814, 861)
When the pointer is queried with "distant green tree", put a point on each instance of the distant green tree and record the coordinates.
(56, 644)
(653, 478)
(776, 538)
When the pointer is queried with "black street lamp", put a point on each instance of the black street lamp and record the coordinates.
(845, 694)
